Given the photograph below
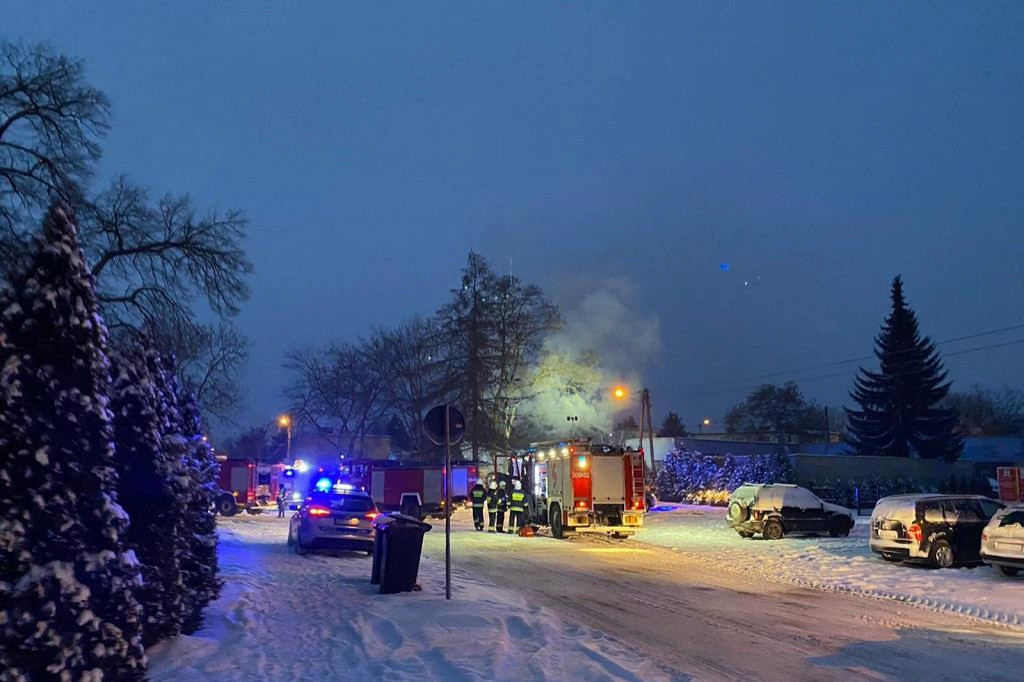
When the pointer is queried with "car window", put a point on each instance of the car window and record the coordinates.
(1014, 518)
(801, 499)
(353, 503)
(989, 508)
(964, 511)
(891, 508)
(770, 498)
(933, 512)
(341, 502)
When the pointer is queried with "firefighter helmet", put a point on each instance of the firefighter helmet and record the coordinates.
(493, 485)
(517, 484)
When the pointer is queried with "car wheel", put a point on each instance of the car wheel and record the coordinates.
(291, 538)
(1006, 571)
(226, 506)
(942, 554)
(839, 528)
(297, 546)
(557, 531)
(745, 534)
(773, 530)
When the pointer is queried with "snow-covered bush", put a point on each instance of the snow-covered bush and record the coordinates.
(67, 610)
(693, 477)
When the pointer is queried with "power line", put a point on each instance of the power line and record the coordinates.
(837, 363)
(848, 372)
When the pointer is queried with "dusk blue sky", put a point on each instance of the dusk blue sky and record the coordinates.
(818, 148)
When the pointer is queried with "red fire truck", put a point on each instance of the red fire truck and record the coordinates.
(246, 484)
(579, 486)
(414, 489)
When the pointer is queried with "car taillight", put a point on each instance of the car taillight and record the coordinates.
(582, 504)
(914, 533)
(319, 511)
(372, 515)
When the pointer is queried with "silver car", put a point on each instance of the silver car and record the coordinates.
(1002, 541)
(334, 520)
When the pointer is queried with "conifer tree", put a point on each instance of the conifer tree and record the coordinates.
(151, 494)
(67, 611)
(200, 565)
(898, 413)
(174, 449)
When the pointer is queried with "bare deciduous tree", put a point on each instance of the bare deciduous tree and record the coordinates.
(50, 123)
(159, 265)
(417, 378)
(340, 390)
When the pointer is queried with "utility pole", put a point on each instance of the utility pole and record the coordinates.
(828, 431)
(646, 422)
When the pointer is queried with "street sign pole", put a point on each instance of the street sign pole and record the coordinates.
(447, 502)
(445, 426)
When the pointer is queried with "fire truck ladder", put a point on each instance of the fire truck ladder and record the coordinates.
(636, 463)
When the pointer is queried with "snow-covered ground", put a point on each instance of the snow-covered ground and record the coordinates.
(283, 617)
(835, 564)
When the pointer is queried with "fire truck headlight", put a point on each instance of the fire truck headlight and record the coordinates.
(565, 452)
(296, 496)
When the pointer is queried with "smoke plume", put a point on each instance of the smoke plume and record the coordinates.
(608, 340)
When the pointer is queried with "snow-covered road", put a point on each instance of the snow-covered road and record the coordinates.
(284, 617)
(689, 615)
(580, 610)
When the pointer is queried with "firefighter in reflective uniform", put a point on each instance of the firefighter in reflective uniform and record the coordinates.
(517, 505)
(478, 495)
(492, 506)
(498, 504)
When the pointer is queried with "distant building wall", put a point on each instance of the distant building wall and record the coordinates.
(813, 469)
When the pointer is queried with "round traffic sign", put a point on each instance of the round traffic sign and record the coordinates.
(434, 425)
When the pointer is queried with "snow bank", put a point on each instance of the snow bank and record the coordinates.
(285, 617)
(835, 564)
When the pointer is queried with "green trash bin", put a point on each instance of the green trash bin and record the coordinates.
(396, 552)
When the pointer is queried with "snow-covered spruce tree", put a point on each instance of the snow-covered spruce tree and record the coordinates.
(898, 411)
(151, 492)
(665, 480)
(67, 611)
(200, 565)
(174, 449)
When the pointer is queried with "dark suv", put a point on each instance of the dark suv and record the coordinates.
(777, 509)
(941, 530)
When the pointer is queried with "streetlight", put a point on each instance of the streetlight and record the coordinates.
(620, 393)
(285, 422)
(700, 427)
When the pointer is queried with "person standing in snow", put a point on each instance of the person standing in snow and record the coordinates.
(517, 505)
(280, 503)
(494, 504)
(478, 496)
